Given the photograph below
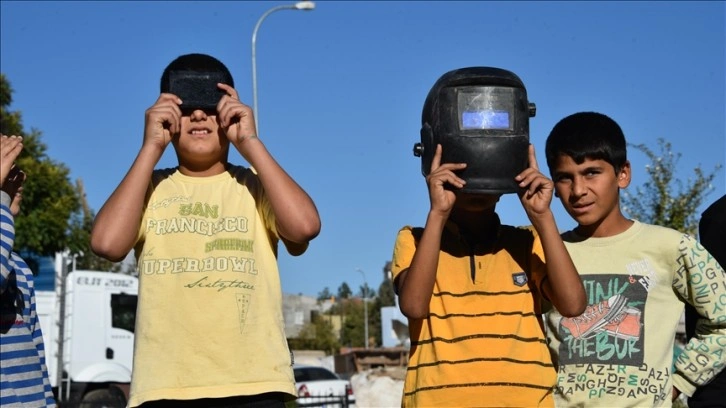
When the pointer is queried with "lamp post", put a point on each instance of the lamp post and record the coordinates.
(365, 304)
(301, 5)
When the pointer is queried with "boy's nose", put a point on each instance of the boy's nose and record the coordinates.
(578, 187)
(198, 114)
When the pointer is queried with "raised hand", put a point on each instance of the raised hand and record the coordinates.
(235, 118)
(163, 120)
(10, 148)
(443, 199)
(537, 189)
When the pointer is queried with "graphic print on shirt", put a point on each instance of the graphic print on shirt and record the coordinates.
(609, 336)
(519, 279)
(610, 329)
(243, 305)
(228, 263)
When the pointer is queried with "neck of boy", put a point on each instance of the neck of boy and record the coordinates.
(476, 226)
(607, 227)
(203, 171)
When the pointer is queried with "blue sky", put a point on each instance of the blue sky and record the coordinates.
(340, 92)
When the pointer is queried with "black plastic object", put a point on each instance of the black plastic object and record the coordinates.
(480, 116)
(197, 90)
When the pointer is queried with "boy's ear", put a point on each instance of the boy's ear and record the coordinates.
(625, 175)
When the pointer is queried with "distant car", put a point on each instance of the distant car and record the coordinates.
(320, 387)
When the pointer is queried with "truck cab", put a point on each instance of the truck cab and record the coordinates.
(88, 330)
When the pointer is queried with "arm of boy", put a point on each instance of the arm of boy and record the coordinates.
(112, 237)
(563, 286)
(298, 220)
(701, 281)
(416, 284)
(10, 148)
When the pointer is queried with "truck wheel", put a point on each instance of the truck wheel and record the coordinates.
(104, 398)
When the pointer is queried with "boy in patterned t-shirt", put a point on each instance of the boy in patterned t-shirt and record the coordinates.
(619, 352)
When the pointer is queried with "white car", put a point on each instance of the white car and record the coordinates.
(320, 387)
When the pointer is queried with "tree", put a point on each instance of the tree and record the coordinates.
(352, 333)
(386, 295)
(656, 201)
(325, 294)
(49, 198)
(55, 216)
(364, 291)
(316, 335)
(344, 291)
(79, 242)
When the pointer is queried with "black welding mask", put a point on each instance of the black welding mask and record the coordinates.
(480, 116)
(197, 89)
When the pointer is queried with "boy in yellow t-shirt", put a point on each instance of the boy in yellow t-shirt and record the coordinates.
(470, 286)
(209, 327)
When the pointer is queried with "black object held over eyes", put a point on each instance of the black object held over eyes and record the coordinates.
(480, 116)
(197, 90)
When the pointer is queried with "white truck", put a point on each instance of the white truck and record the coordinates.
(88, 331)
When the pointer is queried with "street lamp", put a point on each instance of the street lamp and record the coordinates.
(365, 303)
(301, 5)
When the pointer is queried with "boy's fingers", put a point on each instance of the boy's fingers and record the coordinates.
(169, 97)
(230, 91)
(10, 148)
(436, 161)
(532, 158)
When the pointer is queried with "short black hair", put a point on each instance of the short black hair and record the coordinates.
(195, 62)
(587, 135)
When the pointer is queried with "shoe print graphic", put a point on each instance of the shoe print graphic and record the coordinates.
(612, 315)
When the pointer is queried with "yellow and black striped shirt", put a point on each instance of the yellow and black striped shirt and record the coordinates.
(482, 343)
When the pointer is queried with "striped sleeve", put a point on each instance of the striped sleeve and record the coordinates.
(24, 378)
(38, 342)
(7, 237)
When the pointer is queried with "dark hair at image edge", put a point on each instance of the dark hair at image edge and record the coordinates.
(198, 63)
(587, 135)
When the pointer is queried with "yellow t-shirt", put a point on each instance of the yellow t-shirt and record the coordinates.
(209, 322)
(619, 352)
(483, 342)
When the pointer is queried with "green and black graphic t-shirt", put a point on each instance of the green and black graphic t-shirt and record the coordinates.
(619, 352)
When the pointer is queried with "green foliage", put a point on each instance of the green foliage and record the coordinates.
(53, 216)
(10, 122)
(352, 334)
(316, 335)
(79, 239)
(325, 294)
(663, 199)
(49, 200)
(386, 295)
(364, 291)
(344, 291)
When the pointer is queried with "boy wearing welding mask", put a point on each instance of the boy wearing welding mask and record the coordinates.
(470, 286)
(209, 325)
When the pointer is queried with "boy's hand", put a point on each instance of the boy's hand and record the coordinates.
(442, 199)
(536, 192)
(163, 120)
(235, 118)
(10, 148)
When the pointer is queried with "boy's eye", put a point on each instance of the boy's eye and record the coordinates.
(591, 173)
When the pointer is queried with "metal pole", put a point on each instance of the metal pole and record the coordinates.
(303, 5)
(365, 304)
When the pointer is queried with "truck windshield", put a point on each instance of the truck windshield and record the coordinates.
(123, 311)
